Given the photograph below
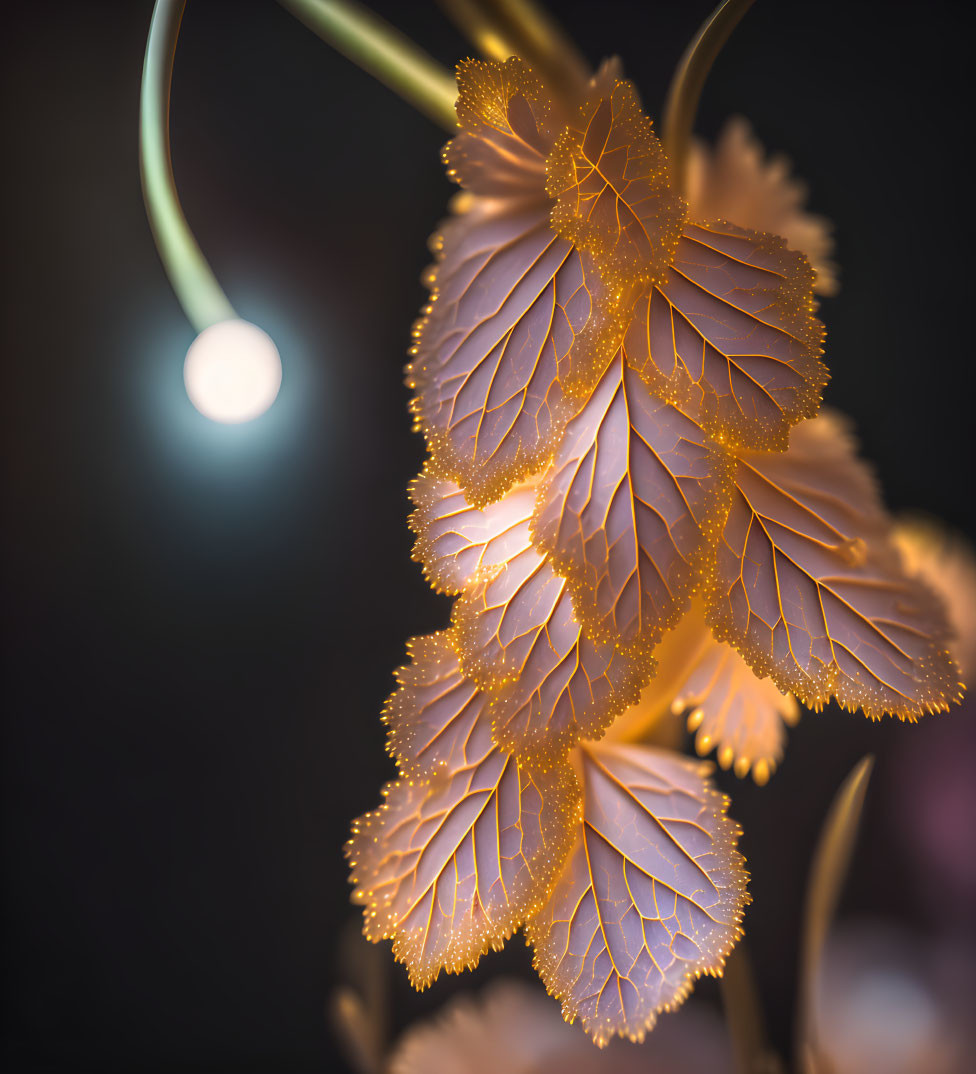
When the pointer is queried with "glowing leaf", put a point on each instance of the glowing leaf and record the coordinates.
(550, 684)
(511, 1027)
(734, 181)
(510, 301)
(504, 115)
(455, 540)
(435, 715)
(740, 716)
(945, 561)
(650, 898)
(630, 509)
(731, 337)
(450, 868)
(609, 176)
(810, 589)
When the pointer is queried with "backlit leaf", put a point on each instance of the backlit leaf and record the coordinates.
(734, 180)
(731, 337)
(435, 716)
(630, 510)
(451, 867)
(609, 176)
(810, 589)
(455, 540)
(742, 717)
(651, 896)
(946, 562)
(504, 114)
(550, 683)
(511, 1027)
(510, 301)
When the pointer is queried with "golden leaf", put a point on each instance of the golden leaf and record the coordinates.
(731, 337)
(630, 510)
(510, 301)
(650, 898)
(435, 716)
(946, 562)
(742, 717)
(510, 1027)
(810, 589)
(456, 541)
(504, 114)
(450, 867)
(609, 176)
(734, 181)
(550, 683)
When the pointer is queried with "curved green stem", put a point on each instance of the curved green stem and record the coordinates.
(688, 82)
(192, 278)
(383, 52)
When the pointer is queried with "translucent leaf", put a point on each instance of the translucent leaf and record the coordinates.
(650, 898)
(731, 337)
(630, 510)
(512, 1028)
(550, 684)
(735, 181)
(742, 717)
(675, 657)
(455, 540)
(810, 589)
(609, 176)
(504, 114)
(945, 561)
(510, 301)
(435, 716)
(451, 867)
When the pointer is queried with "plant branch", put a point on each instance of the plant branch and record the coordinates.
(385, 53)
(684, 93)
(192, 279)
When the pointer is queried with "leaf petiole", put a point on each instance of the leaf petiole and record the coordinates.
(382, 51)
(688, 81)
(196, 287)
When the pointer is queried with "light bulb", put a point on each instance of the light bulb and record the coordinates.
(232, 372)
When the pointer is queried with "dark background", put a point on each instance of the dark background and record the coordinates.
(200, 622)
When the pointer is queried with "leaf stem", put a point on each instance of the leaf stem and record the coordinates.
(541, 41)
(688, 81)
(385, 53)
(196, 287)
(480, 29)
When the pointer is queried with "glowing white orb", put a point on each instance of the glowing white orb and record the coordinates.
(232, 372)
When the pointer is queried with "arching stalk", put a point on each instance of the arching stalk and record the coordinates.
(385, 53)
(688, 82)
(490, 39)
(503, 28)
(827, 875)
(192, 278)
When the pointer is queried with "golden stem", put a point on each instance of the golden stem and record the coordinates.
(502, 28)
(385, 53)
(827, 873)
(684, 93)
(473, 21)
